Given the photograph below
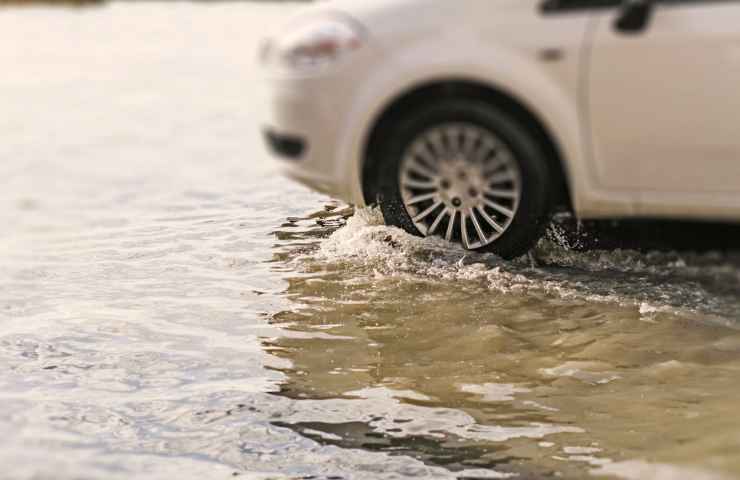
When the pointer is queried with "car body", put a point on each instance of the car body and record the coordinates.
(636, 119)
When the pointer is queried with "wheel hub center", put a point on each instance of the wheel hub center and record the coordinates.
(461, 186)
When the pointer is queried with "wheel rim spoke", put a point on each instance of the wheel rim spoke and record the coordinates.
(435, 141)
(452, 134)
(470, 138)
(505, 176)
(476, 225)
(428, 156)
(489, 220)
(460, 181)
(451, 226)
(499, 208)
(416, 166)
(494, 165)
(464, 228)
(418, 184)
(437, 221)
(421, 198)
(427, 212)
(501, 193)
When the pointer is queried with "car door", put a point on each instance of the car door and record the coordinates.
(663, 106)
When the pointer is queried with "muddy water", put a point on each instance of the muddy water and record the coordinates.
(166, 313)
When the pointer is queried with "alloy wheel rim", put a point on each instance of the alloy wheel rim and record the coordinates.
(461, 182)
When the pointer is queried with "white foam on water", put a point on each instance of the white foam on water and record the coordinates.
(652, 283)
(642, 470)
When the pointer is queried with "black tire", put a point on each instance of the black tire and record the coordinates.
(535, 205)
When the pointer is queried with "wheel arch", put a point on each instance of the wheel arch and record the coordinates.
(434, 90)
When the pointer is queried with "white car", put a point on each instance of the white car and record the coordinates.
(474, 120)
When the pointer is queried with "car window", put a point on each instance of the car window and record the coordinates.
(678, 2)
(565, 5)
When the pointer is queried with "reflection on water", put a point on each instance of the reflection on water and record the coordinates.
(603, 363)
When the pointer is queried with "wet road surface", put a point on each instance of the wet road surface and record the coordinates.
(166, 313)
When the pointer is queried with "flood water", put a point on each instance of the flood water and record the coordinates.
(172, 308)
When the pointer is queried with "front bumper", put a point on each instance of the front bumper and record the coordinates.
(304, 131)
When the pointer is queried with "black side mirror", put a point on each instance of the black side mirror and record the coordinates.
(634, 16)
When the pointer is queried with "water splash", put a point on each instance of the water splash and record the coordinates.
(653, 283)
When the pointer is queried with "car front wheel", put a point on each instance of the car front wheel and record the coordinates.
(466, 171)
